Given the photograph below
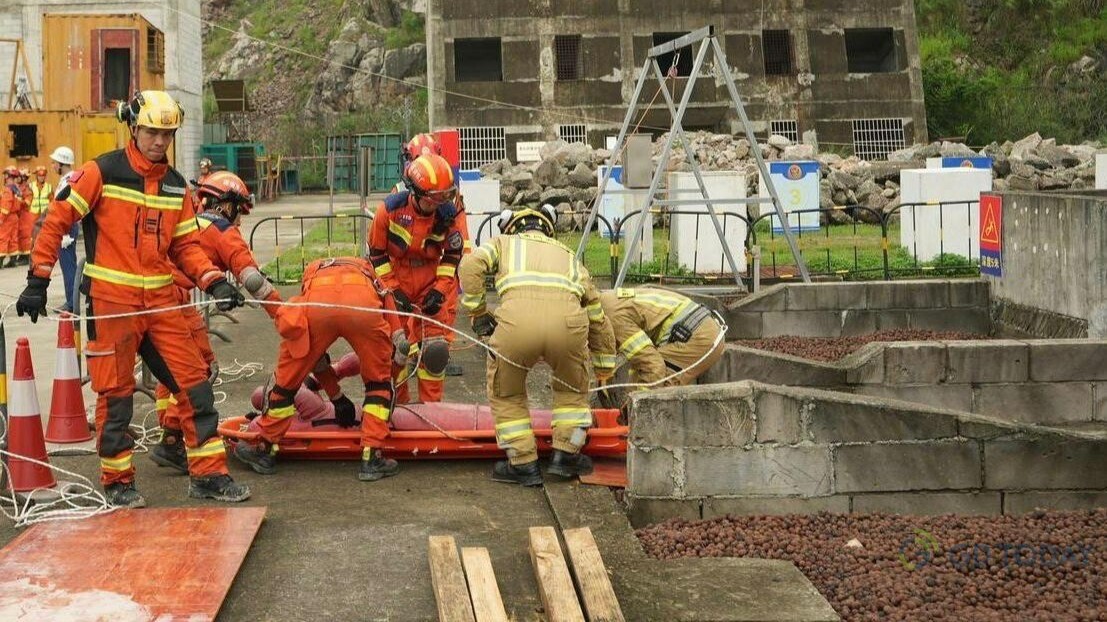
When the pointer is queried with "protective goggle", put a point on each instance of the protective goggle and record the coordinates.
(438, 196)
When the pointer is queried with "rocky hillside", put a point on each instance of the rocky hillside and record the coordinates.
(318, 67)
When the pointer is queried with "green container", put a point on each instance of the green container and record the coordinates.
(238, 158)
(386, 149)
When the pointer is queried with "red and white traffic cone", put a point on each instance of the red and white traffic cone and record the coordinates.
(25, 427)
(68, 421)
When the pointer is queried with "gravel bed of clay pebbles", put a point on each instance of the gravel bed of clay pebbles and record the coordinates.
(834, 348)
(1048, 566)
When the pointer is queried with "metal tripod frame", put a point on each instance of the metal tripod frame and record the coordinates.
(706, 38)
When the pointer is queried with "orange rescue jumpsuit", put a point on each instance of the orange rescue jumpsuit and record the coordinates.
(12, 206)
(307, 332)
(415, 253)
(223, 243)
(139, 221)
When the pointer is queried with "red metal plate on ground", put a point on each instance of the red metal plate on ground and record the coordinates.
(607, 472)
(127, 566)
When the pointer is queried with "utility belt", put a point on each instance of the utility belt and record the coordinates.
(365, 276)
(415, 262)
(690, 318)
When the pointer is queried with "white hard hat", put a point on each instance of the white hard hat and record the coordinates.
(63, 155)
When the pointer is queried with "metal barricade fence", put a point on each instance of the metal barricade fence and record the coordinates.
(699, 239)
(309, 238)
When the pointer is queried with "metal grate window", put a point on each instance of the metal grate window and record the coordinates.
(567, 55)
(787, 128)
(481, 145)
(155, 51)
(874, 139)
(573, 133)
(776, 46)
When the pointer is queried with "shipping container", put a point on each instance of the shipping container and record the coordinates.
(92, 61)
(386, 165)
(28, 137)
(238, 158)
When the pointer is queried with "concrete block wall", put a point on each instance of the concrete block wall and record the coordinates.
(843, 309)
(746, 447)
(1045, 381)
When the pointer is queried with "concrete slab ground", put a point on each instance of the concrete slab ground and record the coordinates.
(334, 548)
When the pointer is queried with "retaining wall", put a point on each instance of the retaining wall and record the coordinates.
(747, 447)
(1051, 381)
(842, 309)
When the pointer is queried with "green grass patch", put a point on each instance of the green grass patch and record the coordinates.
(411, 30)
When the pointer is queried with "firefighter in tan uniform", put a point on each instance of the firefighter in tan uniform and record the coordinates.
(550, 311)
(661, 333)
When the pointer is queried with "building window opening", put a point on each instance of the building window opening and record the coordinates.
(567, 54)
(871, 50)
(24, 141)
(787, 128)
(155, 51)
(478, 60)
(776, 46)
(874, 139)
(682, 57)
(573, 133)
(117, 74)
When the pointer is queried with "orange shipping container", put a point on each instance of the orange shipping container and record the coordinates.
(91, 61)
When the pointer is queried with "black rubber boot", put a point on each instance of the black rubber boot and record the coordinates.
(260, 456)
(565, 464)
(377, 467)
(124, 495)
(522, 474)
(170, 452)
(219, 488)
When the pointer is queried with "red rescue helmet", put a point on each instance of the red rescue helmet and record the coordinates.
(11, 171)
(422, 144)
(225, 187)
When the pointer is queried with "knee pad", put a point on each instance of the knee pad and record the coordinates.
(436, 355)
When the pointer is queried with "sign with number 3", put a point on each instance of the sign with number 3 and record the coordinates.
(797, 185)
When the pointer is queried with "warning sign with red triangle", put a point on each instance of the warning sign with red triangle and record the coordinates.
(991, 234)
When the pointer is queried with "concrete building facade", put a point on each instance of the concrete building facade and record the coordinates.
(177, 20)
(523, 70)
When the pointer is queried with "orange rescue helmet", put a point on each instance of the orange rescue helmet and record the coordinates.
(430, 176)
(11, 171)
(422, 144)
(225, 187)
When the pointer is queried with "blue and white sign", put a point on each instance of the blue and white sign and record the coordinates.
(613, 206)
(983, 162)
(797, 186)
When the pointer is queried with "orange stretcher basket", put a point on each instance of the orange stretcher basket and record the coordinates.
(429, 432)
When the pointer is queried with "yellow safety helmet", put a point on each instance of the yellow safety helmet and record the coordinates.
(154, 109)
(528, 218)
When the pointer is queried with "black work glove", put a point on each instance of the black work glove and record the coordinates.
(227, 294)
(679, 333)
(344, 411)
(484, 325)
(432, 302)
(403, 303)
(33, 299)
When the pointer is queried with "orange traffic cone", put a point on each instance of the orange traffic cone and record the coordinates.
(25, 427)
(68, 422)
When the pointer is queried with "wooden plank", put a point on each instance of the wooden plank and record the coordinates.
(554, 583)
(450, 592)
(596, 592)
(487, 603)
(118, 565)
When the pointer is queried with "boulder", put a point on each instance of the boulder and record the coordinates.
(1051, 182)
(554, 196)
(1019, 182)
(798, 152)
(573, 154)
(955, 150)
(550, 172)
(1058, 157)
(1037, 162)
(741, 149)
(582, 176)
(841, 180)
(780, 142)
(1024, 147)
(405, 62)
(520, 178)
(527, 196)
(549, 149)
(564, 222)
(507, 193)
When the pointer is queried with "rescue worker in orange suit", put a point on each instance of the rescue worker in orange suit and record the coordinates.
(306, 333)
(41, 194)
(11, 206)
(224, 198)
(550, 311)
(139, 221)
(661, 333)
(416, 240)
(426, 144)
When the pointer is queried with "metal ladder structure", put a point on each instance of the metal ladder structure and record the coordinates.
(707, 40)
